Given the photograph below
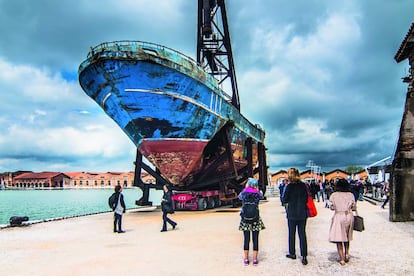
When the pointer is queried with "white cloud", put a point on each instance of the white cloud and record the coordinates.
(39, 120)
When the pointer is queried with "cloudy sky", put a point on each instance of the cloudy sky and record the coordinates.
(319, 76)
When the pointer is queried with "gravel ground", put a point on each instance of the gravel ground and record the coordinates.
(204, 243)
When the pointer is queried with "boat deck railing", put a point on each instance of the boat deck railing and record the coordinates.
(127, 45)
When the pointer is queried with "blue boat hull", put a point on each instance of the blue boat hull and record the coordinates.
(166, 104)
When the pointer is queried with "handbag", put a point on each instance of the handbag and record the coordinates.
(310, 205)
(358, 223)
(312, 212)
(167, 208)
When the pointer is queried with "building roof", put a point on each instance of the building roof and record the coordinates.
(305, 172)
(407, 46)
(41, 175)
(81, 174)
(279, 172)
(375, 169)
(337, 170)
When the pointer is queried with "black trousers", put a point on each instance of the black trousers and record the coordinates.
(166, 219)
(117, 220)
(255, 238)
(300, 225)
(385, 202)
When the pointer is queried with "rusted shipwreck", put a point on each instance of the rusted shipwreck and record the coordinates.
(174, 109)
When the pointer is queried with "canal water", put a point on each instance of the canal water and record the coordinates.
(51, 204)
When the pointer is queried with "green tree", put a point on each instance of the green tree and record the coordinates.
(353, 169)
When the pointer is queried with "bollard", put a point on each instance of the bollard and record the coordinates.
(17, 221)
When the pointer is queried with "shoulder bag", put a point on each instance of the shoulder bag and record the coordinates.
(310, 205)
(312, 212)
(358, 223)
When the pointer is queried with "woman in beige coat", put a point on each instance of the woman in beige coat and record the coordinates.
(342, 201)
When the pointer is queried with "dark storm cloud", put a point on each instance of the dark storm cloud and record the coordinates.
(333, 92)
(57, 34)
(319, 76)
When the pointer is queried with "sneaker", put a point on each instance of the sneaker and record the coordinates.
(255, 262)
(246, 261)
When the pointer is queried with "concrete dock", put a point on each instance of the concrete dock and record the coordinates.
(204, 243)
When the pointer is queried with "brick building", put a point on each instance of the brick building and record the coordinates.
(335, 174)
(41, 180)
(71, 179)
(307, 175)
(277, 177)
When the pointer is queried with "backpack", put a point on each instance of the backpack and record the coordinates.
(250, 209)
(111, 201)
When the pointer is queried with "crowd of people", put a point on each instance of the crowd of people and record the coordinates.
(340, 196)
(321, 190)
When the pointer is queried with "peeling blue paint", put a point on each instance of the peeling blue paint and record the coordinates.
(152, 91)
